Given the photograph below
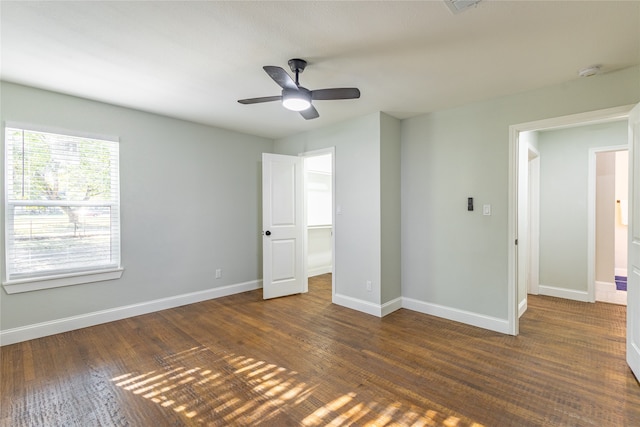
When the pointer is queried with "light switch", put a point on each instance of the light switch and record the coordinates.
(486, 209)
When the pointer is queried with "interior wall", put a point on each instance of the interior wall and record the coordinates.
(564, 169)
(605, 216)
(190, 203)
(451, 258)
(455, 258)
(357, 199)
(390, 208)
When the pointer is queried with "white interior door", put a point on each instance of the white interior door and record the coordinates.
(633, 280)
(282, 225)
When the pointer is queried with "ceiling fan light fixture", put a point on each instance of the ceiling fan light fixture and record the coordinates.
(296, 100)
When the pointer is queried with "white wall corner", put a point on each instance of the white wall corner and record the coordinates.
(462, 316)
(39, 330)
(552, 291)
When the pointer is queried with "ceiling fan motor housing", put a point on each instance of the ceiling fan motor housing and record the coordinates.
(297, 65)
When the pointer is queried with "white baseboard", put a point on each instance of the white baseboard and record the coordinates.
(467, 317)
(38, 330)
(320, 270)
(607, 292)
(391, 306)
(358, 304)
(572, 294)
(522, 307)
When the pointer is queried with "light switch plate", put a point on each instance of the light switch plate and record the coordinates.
(486, 209)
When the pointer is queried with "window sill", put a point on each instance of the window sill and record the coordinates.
(38, 283)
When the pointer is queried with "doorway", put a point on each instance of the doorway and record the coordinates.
(611, 179)
(518, 236)
(319, 184)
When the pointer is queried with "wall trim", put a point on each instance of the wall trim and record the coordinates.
(522, 307)
(391, 306)
(462, 316)
(320, 270)
(358, 304)
(552, 291)
(39, 330)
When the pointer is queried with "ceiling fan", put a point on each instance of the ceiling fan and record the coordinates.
(297, 98)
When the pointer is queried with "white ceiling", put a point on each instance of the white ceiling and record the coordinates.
(194, 60)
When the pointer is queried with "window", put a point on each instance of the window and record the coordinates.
(62, 213)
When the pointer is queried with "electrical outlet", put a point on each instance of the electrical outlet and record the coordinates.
(369, 285)
(218, 273)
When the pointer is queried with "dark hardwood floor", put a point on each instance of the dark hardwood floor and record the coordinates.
(301, 361)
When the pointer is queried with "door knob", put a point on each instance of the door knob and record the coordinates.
(268, 233)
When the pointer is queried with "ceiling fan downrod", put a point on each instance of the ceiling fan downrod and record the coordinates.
(297, 66)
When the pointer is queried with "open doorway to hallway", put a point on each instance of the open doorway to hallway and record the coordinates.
(566, 247)
(575, 203)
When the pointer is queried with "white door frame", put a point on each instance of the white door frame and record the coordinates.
(315, 153)
(591, 117)
(534, 221)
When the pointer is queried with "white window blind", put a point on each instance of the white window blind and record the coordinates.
(62, 204)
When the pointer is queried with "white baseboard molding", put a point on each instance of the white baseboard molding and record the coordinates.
(572, 294)
(522, 307)
(358, 304)
(320, 270)
(391, 306)
(39, 330)
(368, 307)
(462, 316)
(607, 292)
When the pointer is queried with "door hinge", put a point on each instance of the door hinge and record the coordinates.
(516, 242)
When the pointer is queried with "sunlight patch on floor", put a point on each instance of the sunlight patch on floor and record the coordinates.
(241, 390)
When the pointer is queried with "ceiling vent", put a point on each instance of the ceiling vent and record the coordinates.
(457, 6)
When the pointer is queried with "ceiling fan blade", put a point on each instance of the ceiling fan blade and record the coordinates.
(259, 100)
(310, 113)
(335, 93)
(280, 76)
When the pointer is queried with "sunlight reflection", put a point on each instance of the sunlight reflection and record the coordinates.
(241, 390)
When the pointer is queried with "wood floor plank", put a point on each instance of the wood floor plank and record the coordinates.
(302, 361)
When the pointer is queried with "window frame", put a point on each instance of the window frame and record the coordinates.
(63, 277)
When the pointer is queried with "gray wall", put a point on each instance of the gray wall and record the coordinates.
(390, 203)
(190, 197)
(367, 177)
(456, 258)
(564, 166)
(357, 196)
